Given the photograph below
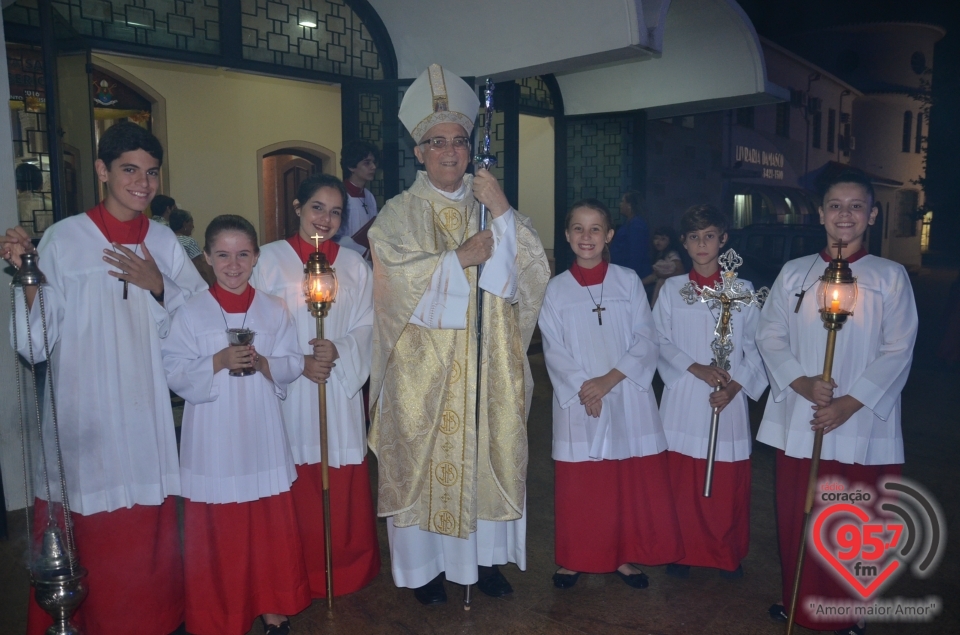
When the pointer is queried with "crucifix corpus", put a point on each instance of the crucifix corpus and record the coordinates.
(728, 295)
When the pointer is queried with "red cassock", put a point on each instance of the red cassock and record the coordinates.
(356, 552)
(715, 530)
(242, 560)
(791, 477)
(612, 512)
(135, 571)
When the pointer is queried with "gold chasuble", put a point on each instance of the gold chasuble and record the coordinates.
(423, 381)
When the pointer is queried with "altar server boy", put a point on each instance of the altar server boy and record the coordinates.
(114, 279)
(243, 556)
(859, 411)
(342, 361)
(612, 500)
(715, 530)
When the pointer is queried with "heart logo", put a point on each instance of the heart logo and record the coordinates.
(855, 540)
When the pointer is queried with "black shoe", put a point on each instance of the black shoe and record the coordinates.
(565, 580)
(283, 628)
(678, 570)
(635, 580)
(432, 592)
(491, 582)
(736, 574)
(778, 613)
(853, 630)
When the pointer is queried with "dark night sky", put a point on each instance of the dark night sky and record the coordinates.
(777, 18)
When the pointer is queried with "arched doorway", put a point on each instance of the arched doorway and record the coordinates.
(282, 167)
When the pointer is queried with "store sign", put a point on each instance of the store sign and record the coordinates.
(770, 162)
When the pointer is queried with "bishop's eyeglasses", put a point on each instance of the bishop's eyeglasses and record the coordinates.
(441, 143)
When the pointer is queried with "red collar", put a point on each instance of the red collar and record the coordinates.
(589, 277)
(353, 190)
(705, 282)
(131, 232)
(860, 253)
(233, 302)
(328, 248)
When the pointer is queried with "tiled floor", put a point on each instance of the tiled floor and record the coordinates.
(603, 604)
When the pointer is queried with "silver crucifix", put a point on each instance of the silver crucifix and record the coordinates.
(728, 295)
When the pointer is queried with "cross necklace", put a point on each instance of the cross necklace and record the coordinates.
(599, 308)
(135, 248)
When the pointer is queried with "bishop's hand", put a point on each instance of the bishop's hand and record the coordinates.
(487, 190)
(476, 250)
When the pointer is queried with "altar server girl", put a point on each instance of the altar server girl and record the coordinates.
(243, 556)
(715, 530)
(342, 361)
(613, 503)
(859, 411)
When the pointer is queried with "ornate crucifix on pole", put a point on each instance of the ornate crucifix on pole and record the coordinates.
(727, 296)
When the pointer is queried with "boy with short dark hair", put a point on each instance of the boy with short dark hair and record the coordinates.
(715, 530)
(114, 280)
(859, 411)
(358, 160)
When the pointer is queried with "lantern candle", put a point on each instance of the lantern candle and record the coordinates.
(835, 304)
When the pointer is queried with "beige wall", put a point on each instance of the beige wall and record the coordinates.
(536, 175)
(216, 122)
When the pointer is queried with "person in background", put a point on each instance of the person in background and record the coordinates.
(631, 242)
(358, 160)
(181, 222)
(666, 261)
(160, 208)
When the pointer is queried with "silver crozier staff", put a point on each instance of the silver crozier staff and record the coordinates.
(486, 161)
(728, 295)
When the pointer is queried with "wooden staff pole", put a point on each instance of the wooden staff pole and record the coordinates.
(325, 480)
(811, 487)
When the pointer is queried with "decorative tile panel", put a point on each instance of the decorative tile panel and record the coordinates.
(184, 25)
(317, 35)
(534, 93)
(599, 159)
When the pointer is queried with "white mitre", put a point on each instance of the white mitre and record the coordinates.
(438, 96)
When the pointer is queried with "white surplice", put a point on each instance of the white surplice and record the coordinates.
(349, 325)
(417, 556)
(685, 332)
(872, 360)
(360, 211)
(233, 446)
(577, 347)
(113, 407)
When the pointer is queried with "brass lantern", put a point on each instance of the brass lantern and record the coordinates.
(319, 284)
(837, 295)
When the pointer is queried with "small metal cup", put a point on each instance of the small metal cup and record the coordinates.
(241, 337)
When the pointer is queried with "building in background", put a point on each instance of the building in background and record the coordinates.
(858, 96)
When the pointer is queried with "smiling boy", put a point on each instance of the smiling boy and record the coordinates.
(859, 411)
(114, 279)
(715, 530)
